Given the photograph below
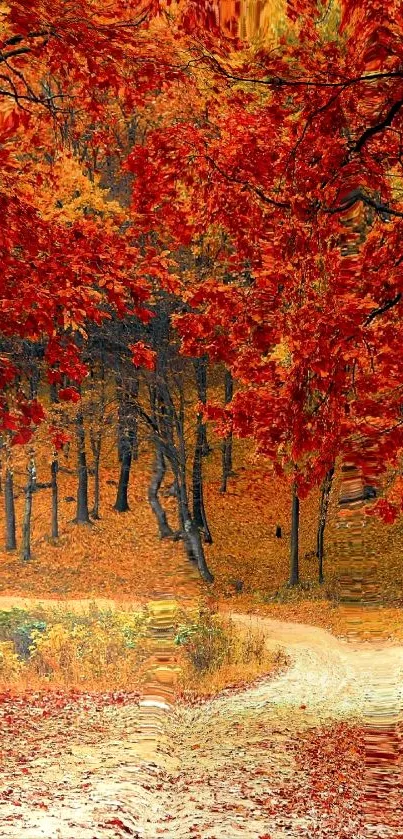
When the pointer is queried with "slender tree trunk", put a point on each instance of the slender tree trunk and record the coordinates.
(190, 532)
(95, 509)
(192, 541)
(54, 468)
(122, 503)
(83, 516)
(157, 476)
(172, 421)
(199, 512)
(54, 398)
(324, 506)
(201, 450)
(294, 552)
(201, 384)
(127, 416)
(26, 524)
(11, 538)
(226, 448)
(34, 380)
(121, 417)
(96, 441)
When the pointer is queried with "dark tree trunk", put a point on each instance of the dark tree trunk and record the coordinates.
(96, 439)
(26, 523)
(95, 509)
(127, 439)
(127, 416)
(294, 552)
(193, 543)
(226, 448)
(122, 503)
(201, 450)
(54, 398)
(199, 512)
(157, 476)
(82, 516)
(96, 435)
(121, 417)
(190, 532)
(54, 468)
(324, 506)
(11, 539)
(34, 380)
(201, 384)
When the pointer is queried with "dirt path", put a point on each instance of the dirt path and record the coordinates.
(223, 770)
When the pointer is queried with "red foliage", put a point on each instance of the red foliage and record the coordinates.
(143, 356)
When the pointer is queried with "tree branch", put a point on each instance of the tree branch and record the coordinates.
(358, 195)
(246, 185)
(384, 308)
(379, 126)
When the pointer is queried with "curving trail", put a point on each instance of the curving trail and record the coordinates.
(222, 770)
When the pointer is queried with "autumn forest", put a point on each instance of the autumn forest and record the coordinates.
(201, 419)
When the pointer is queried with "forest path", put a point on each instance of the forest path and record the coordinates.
(224, 769)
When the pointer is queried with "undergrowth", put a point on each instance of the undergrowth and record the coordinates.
(217, 654)
(110, 649)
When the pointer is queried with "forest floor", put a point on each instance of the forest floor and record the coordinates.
(283, 758)
(121, 558)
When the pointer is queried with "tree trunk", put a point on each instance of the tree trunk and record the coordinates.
(96, 440)
(190, 533)
(324, 506)
(294, 555)
(199, 512)
(26, 524)
(127, 416)
(54, 398)
(54, 468)
(95, 509)
(226, 448)
(157, 477)
(34, 380)
(82, 516)
(11, 539)
(201, 384)
(122, 504)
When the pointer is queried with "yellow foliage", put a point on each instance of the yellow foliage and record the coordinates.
(106, 650)
(10, 664)
(74, 194)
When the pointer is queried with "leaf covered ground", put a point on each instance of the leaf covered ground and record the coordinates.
(121, 557)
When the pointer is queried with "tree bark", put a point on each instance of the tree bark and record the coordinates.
(127, 440)
(54, 398)
(294, 547)
(122, 503)
(201, 450)
(324, 506)
(226, 448)
(201, 385)
(199, 512)
(82, 516)
(54, 468)
(95, 439)
(11, 538)
(26, 524)
(158, 472)
(191, 537)
(127, 416)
